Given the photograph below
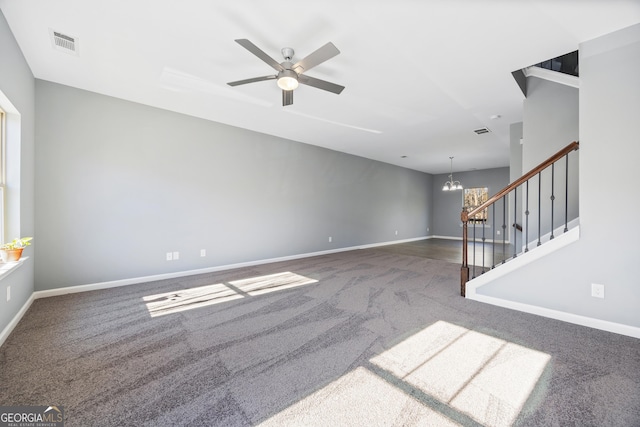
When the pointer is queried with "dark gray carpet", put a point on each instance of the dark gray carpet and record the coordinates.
(365, 337)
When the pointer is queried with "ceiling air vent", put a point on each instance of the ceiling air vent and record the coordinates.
(64, 42)
(482, 130)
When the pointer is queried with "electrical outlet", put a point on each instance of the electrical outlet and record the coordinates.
(203, 252)
(597, 291)
(169, 256)
(330, 239)
(396, 232)
(498, 232)
(8, 293)
(176, 255)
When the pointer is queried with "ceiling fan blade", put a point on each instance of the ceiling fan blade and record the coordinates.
(260, 54)
(287, 97)
(320, 84)
(253, 80)
(322, 54)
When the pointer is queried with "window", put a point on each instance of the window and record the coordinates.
(2, 174)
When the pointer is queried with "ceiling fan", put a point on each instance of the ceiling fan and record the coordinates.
(290, 74)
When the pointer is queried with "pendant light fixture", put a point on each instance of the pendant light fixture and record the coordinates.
(451, 185)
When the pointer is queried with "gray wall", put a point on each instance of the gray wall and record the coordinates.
(120, 184)
(515, 172)
(550, 122)
(515, 151)
(607, 251)
(447, 205)
(17, 85)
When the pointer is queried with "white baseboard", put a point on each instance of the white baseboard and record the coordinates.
(172, 275)
(605, 325)
(14, 322)
(124, 282)
(478, 240)
(447, 237)
(562, 240)
(471, 294)
(394, 242)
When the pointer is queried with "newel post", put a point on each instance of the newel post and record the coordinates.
(464, 270)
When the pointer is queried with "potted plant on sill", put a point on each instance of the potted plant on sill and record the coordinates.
(12, 251)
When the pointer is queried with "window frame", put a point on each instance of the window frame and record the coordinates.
(3, 176)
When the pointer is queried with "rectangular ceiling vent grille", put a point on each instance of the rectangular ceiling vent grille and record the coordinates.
(63, 42)
(482, 130)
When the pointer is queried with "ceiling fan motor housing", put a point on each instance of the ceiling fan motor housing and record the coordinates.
(287, 65)
(288, 53)
(288, 73)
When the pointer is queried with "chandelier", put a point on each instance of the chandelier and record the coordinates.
(451, 185)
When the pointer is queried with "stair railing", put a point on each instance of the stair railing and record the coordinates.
(476, 216)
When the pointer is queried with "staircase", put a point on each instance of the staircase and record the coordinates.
(538, 206)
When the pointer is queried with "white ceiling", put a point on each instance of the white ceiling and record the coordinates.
(420, 76)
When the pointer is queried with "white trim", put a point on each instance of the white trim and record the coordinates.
(617, 328)
(16, 319)
(447, 237)
(6, 268)
(12, 144)
(521, 260)
(471, 240)
(470, 225)
(571, 236)
(375, 245)
(553, 76)
(125, 282)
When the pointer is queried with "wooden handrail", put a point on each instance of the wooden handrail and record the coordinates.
(533, 172)
(464, 269)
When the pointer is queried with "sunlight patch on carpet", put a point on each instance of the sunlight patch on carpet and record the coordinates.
(359, 398)
(203, 296)
(444, 375)
(271, 283)
(487, 378)
(188, 299)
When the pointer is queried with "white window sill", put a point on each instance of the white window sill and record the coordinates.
(6, 268)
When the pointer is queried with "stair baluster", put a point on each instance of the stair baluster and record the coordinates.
(475, 215)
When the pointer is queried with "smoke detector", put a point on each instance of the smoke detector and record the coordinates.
(64, 42)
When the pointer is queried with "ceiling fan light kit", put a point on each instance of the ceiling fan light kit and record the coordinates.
(290, 75)
(288, 80)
